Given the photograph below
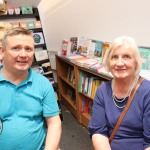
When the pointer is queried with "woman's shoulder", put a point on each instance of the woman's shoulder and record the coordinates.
(146, 83)
(145, 86)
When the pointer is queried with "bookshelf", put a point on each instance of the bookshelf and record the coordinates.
(25, 18)
(75, 105)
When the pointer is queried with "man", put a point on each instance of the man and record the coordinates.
(26, 98)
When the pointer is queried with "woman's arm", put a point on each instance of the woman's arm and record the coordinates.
(53, 133)
(100, 142)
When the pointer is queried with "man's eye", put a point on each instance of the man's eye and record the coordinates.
(16, 48)
(28, 49)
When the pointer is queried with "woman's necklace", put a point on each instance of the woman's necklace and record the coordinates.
(115, 100)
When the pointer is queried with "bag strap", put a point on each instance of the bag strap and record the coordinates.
(125, 110)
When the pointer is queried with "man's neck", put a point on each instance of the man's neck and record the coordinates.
(15, 78)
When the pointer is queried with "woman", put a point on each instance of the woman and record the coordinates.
(123, 61)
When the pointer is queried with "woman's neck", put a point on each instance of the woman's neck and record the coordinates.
(123, 88)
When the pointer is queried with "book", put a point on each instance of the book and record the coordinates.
(24, 25)
(106, 47)
(145, 55)
(98, 48)
(74, 42)
(46, 68)
(83, 46)
(78, 45)
(38, 69)
(66, 46)
(86, 62)
(37, 24)
(30, 24)
(103, 71)
(91, 49)
(41, 55)
(38, 38)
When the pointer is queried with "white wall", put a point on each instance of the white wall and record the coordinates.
(97, 19)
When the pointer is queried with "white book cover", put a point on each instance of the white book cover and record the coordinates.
(41, 55)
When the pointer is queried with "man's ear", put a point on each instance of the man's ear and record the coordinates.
(1, 53)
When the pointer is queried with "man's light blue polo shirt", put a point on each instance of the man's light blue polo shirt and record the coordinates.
(22, 109)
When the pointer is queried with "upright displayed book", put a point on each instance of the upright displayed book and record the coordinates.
(41, 55)
(106, 47)
(98, 48)
(145, 55)
(79, 45)
(66, 46)
(38, 38)
(74, 44)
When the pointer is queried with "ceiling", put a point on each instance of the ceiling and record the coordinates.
(18, 3)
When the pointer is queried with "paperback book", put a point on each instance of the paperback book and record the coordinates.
(145, 55)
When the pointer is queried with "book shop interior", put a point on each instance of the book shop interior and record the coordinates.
(69, 70)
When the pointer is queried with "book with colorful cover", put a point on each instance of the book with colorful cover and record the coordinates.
(98, 48)
(74, 44)
(66, 46)
(86, 62)
(79, 45)
(145, 55)
(106, 47)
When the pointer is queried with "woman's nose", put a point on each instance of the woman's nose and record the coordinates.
(120, 61)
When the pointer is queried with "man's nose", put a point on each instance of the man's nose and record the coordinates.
(23, 52)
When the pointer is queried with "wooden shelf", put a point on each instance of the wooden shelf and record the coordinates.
(63, 84)
(37, 30)
(63, 78)
(85, 119)
(40, 62)
(40, 45)
(69, 104)
(68, 100)
(21, 16)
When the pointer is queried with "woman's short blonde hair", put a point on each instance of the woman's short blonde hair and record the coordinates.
(127, 43)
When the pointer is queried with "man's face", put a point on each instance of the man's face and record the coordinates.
(18, 53)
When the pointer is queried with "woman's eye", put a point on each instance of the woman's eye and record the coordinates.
(114, 57)
(127, 57)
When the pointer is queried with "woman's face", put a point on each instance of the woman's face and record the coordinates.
(122, 63)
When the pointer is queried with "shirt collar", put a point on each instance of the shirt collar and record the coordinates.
(29, 78)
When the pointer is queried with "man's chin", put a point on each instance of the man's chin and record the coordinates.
(23, 69)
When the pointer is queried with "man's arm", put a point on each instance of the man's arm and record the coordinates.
(54, 130)
(100, 142)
